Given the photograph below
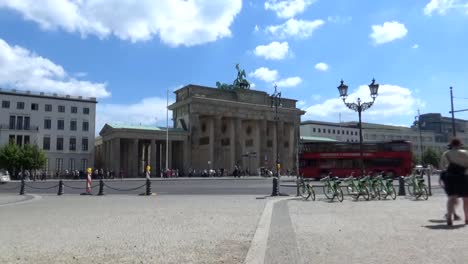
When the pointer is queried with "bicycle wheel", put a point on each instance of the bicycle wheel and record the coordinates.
(392, 192)
(424, 193)
(303, 191)
(339, 194)
(365, 193)
(328, 191)
(411, 189)
(311, 192)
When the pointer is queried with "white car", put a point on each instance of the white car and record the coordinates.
(4, 176)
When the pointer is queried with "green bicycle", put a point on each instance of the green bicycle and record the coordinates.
(306, 190)
(417, 187)
(357, 188)
(372, 185)
(332, 188)
(386, 187)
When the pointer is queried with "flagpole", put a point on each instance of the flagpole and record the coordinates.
(167, 129)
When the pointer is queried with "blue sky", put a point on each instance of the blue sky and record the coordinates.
(128, 53)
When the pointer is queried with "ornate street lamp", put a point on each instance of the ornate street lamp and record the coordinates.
(275, 102)
(359, 107)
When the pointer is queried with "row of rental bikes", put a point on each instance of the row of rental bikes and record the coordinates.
(366, 187)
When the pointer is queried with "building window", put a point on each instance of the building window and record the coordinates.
(59, 143)
(26, 140)
(12, 122)
(19, 140)
(48, 108)
(20, 105)
(61, 109)
(34, 107)
(84, 144)
(5, 104)
(72, 145)
(60, 124)
(319, 130)
(47, 124)
(74, 109)
(86, 110)
(333, 131)
(58, 164)
(19, 123)
(313, 129)
(11, 139)
(84, 164)
(329, 132)
(347, 132)
(27, 123)
(46, 143)
(71, 164)
(73, 125)
(85, 125)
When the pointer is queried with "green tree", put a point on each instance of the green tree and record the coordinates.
(14, 158)
(32, 157)
(432, 157)
(10, 157)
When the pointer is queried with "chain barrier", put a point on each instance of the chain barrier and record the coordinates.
(9, 189)
(124, 190)
(73, 187)
(41, 188)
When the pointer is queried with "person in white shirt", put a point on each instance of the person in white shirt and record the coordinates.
(455, 162)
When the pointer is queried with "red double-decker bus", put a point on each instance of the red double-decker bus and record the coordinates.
(318, 159)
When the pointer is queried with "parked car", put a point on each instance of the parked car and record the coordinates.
(4, 176)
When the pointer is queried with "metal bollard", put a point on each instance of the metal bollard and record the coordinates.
(429, 174)
(101, 187)
(60, 189)
(401, 186)
(275, 191)
(297, 186)
(22, 187)
(148, 187)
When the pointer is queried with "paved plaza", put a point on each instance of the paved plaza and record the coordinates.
(162, 228)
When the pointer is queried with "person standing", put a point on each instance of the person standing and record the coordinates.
(455, 162)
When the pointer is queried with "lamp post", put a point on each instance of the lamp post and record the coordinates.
(275, 102)
(359, 107)
(418, 117)
(454, 131)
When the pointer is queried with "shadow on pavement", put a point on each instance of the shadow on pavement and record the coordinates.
(444, 226)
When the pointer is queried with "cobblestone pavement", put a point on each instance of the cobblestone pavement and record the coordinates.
(129, 229)
(401, 231)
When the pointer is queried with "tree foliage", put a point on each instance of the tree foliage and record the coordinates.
(15, 158)
(432, 157)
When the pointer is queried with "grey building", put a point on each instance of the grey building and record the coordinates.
(63, 126)
(442, 126)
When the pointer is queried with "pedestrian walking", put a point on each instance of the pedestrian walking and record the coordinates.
(455, 180)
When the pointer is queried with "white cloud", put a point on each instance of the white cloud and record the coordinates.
(252, 85)
(273, 51)
(443, 6)
(265, 74)
(287, 8)
(24, 70)
(316, 97)
(175, 22)
(300, 103)
(149, 111)
(289, 82)
(321, 66)
(392, 101)
(415, 46)
(295, 28)
(387, 32)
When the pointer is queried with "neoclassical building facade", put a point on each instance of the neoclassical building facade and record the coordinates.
(212, 128)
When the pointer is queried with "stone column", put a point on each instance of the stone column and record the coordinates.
(258, 146)
(263, 142)
(134, 158)
(169, 156)
(211, 146)
(292, 146)
(217, 148)
(282, 154)
(232, 144)
(153, 158)
(115, 156)
(238, 143)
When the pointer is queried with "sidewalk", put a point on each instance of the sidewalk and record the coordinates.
(400, 231)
